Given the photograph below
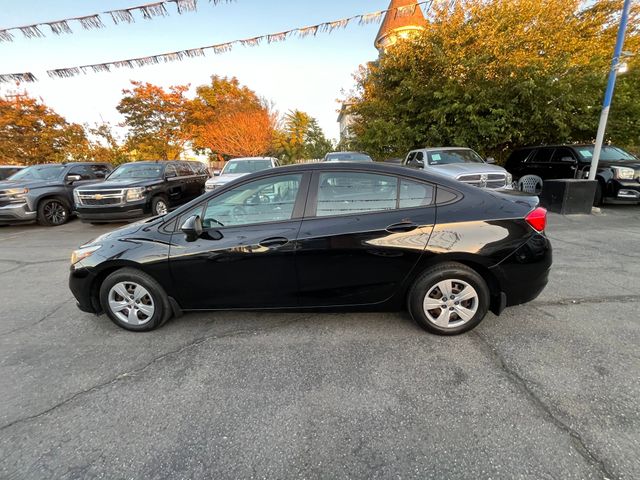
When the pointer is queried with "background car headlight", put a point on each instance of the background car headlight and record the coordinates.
(509, 178)
(83, 252)
(17, 195)
(134, 194)
(623, 173)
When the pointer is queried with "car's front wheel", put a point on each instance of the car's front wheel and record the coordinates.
(53, 212)
(134, 300)
(449, 299)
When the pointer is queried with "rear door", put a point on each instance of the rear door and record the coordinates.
(361, 235)
(539, 163)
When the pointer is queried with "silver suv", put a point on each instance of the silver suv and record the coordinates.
(239, 167)
(463, 164)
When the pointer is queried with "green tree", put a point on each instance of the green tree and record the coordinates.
(156, 120)
(300, 138)
(492, 74)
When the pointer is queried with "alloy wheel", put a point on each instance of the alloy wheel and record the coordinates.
(131, 303)
(450, 303)
(161, 208)
(55, 213)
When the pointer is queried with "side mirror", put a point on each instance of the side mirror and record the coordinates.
(216, 173)
(72, 178)
(491, 160)
(567, 159)
(192, 228)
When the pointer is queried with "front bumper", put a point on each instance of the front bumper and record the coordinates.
(17, 212)
(125, 212)
(80, 283)
(623, 191)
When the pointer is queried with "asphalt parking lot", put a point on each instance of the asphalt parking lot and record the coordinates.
(547, 390)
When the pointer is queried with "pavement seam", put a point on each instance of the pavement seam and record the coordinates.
(523, 386)
(135, 371)
(587, 300)
(23, 327)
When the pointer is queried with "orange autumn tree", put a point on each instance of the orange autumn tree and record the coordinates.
(157, 121)
(230, 120)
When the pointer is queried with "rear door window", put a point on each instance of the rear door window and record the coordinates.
(348, 193)
(415, 194)
(183, 169)
(543, 155)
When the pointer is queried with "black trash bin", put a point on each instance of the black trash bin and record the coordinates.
(568, 196)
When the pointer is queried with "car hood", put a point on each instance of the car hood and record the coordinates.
(120, 183)
(612, 163)
(6, 184)
(127, 231)
(222, 179)
(456, 169)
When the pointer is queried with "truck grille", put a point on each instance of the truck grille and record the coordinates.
(485, 180)
(97, 198)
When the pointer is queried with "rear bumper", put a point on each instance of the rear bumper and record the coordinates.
(16, 213)
(112, 214)
(524, 274)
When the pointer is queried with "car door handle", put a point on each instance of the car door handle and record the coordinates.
(274, 242)
(401, 227)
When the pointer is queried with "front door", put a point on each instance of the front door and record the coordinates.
(245, 258)
(361, 236)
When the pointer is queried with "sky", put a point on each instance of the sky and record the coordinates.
(308, 74)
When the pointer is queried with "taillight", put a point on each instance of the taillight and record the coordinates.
(537, 219)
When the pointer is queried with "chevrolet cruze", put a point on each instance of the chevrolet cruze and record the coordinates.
(327, 235)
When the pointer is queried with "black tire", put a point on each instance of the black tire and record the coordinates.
(597, 201)
(157, 202)
(427, 284)
(53, 212)
(157, 298)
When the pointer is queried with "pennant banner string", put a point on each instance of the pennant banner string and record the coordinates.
(301, 32)
(95, 21)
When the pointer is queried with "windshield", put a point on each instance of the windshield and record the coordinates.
(131, 170)
(607, 154)
(39, 172)
(446, 157)
(348, 157)
(245, 166)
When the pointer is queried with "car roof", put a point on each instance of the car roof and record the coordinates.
(441, 148)
(251, 158)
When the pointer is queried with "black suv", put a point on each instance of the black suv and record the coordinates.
(45, 192)
(140, 188)
(618, 171)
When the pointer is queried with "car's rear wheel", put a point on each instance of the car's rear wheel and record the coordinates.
(53, 212)
(159, 206)
(449, 299)
(134, 301)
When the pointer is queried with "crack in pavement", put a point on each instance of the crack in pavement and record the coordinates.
(593, 247)
(48, 315)
(586, 300)
(523, 386)
(135, 371)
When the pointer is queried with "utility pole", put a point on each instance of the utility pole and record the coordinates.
(608, 96)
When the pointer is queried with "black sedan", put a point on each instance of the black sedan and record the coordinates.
(324, 236)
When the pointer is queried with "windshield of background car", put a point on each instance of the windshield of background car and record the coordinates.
(348, 157)
(146, 171)
(446, 157)
(607, 154)
(39, 172)
(245, 166)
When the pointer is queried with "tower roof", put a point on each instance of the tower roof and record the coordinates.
(401, 19)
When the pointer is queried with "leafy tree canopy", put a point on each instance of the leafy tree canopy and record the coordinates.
(493, 74)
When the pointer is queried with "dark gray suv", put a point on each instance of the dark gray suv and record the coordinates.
(44, 193)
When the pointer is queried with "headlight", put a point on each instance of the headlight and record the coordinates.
(76, 197)
(623, 173)
(134, 194)
(83, 252)
(17, 195)
(509, 178)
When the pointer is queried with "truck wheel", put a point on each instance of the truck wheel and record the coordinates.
(53, 212)
(159, 205)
